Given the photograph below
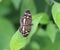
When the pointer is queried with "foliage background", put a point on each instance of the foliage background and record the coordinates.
(47, 33)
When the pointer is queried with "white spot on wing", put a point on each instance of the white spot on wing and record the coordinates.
(23, 28)
(24, 21)
(27, 16)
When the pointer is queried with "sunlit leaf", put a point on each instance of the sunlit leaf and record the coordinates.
(18, 41)
(56, 13)
(6, 31)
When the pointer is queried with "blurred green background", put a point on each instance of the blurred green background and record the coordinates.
(46, 37)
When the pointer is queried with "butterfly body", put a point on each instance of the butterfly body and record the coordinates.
(26, 23)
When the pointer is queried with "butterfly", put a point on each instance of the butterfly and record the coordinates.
(26, 23)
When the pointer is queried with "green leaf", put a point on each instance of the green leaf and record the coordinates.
(18, 41)
(16, 3)
(49, 2)
(5, 2)
(45, 18)
(28, 4)
(57, 41)
(41, 32)
(4, 10)
(34, 46)
(51, 31)
(6, 31)
(36, 19)
(56, 13)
